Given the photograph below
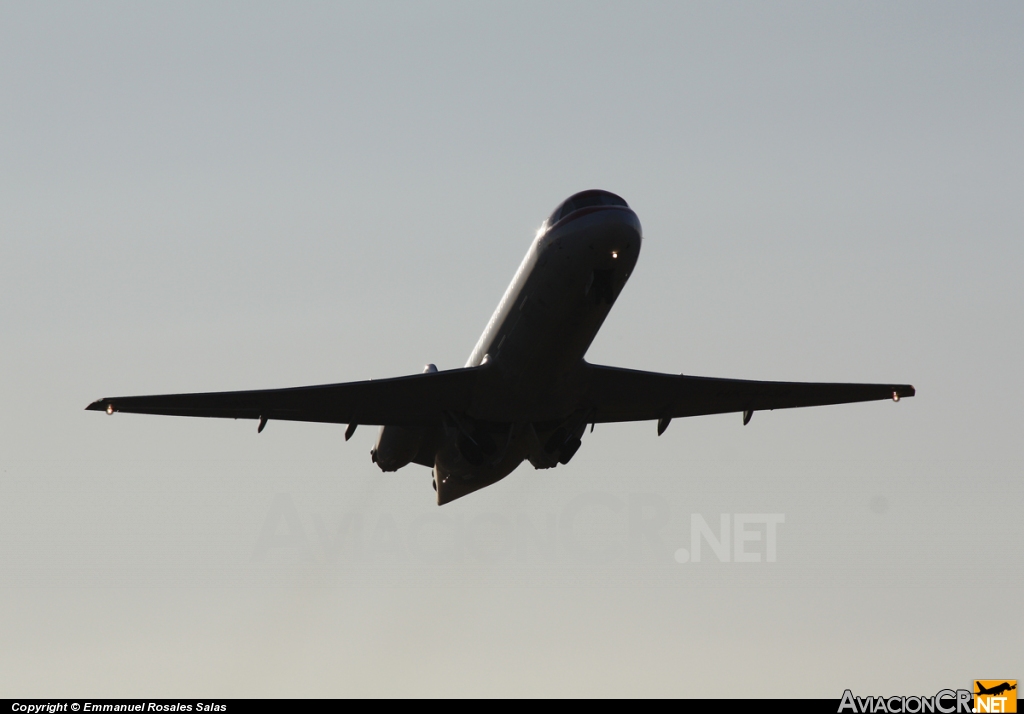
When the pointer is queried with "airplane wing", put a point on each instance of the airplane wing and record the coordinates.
(629, 395)
(418, 399)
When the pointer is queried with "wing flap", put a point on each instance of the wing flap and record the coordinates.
(631, 395)
(418, 399)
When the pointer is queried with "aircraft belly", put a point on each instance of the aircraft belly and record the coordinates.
(539, 346)
(455, 475)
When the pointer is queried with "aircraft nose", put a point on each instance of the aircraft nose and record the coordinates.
(613, 233)
(621, 229)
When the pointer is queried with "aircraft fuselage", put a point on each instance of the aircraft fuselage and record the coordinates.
(524, 406)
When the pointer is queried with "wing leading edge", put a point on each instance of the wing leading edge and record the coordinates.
(418, 399)
(618, 394)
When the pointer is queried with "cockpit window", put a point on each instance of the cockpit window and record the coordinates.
(585, 199)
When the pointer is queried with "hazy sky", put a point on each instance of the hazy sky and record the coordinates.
(212, 196)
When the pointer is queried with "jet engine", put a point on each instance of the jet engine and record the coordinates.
(552, 446)
(396, 447)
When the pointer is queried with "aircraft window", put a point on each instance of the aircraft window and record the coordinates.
(567, 208)
(591, 200)
(586, 199)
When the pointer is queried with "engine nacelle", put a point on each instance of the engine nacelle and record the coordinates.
(396, 447)
(557, 446)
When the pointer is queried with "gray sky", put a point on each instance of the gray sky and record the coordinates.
(228, 196)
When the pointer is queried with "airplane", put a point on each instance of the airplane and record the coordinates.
(997, 689)
(526, 392)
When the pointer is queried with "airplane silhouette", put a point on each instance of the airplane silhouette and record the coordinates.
(996, 690)
(526, 392)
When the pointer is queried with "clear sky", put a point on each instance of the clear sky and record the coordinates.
(213, 196)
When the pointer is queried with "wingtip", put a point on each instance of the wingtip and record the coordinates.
(102, 405)
(903, 390)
